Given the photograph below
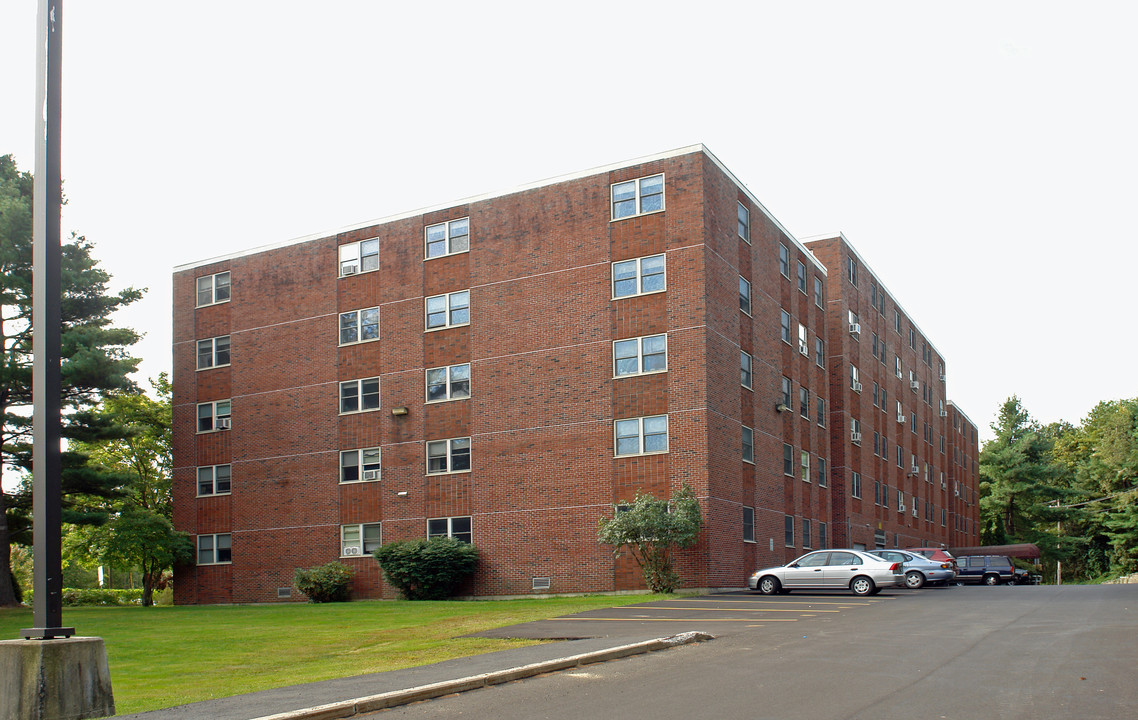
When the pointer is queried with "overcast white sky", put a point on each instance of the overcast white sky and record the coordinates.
(980, 155)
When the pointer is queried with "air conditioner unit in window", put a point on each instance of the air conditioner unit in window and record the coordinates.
(901, 508)
(914, 471)
(371, 474)
(855, 328)
(942, 377)
(915, 384)
(944, 413)
(223, 423)
(803, 349)
(351, 551)
(855, 437)
(351, 269)
(857, 387)
(901, 419)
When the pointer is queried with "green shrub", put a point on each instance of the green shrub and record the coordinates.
(427, 569)
(325, 583)
(74, 597)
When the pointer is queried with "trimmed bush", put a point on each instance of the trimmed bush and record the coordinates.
(325, 583)
(427, 569)
(75, 597)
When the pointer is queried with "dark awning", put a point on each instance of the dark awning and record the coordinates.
(1027, 551)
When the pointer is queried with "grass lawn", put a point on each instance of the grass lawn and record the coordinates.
(169, 655)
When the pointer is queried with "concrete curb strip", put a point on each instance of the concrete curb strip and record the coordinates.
(371, 703)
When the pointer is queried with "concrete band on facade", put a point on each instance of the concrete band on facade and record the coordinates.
(523, 430)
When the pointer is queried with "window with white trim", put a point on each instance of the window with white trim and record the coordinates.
(447, 238)
(359, 465)
(359, 395)
(819, 352)
(448, 456)
(359, 326)
(359, 257)
(638, 197)
(213, 416)
(359, 539)
(786, 390)
(213, 289)
(641, 435)
(744, 223)
(640, 355)
(851, 270)
(748, 445)
(855, 378)
(450, 310)
(745, 369)
(823, 478)
(802, 277)
(820, 411)
(855, 485)
(803, 340)
(784, 327)
(639, 276)
(448, 383)
(214, 480)
(744, 295)
(215, 549)
(213, 352)
(787, 459)
(458, 528)
(818, 297)
(788, 531)
(783, 261)
(804, 465)
(748, 524)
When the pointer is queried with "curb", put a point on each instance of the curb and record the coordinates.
(372, 703)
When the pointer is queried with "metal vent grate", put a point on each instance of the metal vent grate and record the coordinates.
(284, 592)
(541, 583)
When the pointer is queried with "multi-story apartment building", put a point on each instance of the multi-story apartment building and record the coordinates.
(964, 478)
(891, 460)
(505, 370)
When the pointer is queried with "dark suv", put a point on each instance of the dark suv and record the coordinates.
(986, 569)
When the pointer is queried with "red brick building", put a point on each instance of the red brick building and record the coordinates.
(504, 370)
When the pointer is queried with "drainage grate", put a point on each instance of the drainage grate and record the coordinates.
(541, 583)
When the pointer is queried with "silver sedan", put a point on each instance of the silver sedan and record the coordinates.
(856, 570)
(918, 568)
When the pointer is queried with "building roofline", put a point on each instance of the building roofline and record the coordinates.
(687, 150)
(881, 285)
(956, 407)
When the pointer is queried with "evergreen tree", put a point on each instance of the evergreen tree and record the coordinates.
(95, 361)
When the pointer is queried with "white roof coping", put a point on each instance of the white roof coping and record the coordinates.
(956, 407)
(690, 149)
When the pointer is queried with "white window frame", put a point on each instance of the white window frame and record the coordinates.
(449, 309)
(855, 378)
(819, 296)
(360, 395)
(358, 327)
(452, 388)
(640, 276)
(639, 357)
(855, 485)
(746, 370)
(214, 549)
(466, 536)
(452, 448)
(212, 471)
(784, 327)
(621, 430)
(803, 340)
(748, 524)
(449, 236)
(745, 295)
(788, 531)
(638, 197)
(215, 286)
(214, 354)
(353, 255)
(788, 459)
(360, 544)
(367, 460)
(819, 352)
(804, 465)
(823, 478)
(744, 218)
(215, 414)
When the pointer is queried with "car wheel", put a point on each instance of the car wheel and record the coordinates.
(769, 585)
(991, 579)
(914, 580)
(861, 585)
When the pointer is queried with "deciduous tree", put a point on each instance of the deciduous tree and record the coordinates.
(650, 528)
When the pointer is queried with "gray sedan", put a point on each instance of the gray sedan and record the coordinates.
(856, 570)
(918, 568)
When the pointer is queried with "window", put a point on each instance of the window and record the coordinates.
(897, 321)
(804, 460)
(900, 501)
(745, 369)
(359, 465)
(783, 261)
(912, 339)
(748, 524)
(455, 527)
(897, 366)
(744, 295)
(900, 457)
(748, 444)
(855, 378)
(359, 257)
(447, 238)
(637, 356)
(855, 485)
(213, 289)
(215, 549)
(362, 539)
(788, 532)
(213, 352)
(876, 443)
(855, 431)
(875, 388)
(803, 341)
(875, 343)
(359, 395)
(823, 480)
(784, 331)
(851, 270)
(786, 391)
(801, 277)
(359, 326)
(213, 416)
(744, 222)
(820, 411)
(806, 532)
(642, 435)
(637, 197)
(638, 277)
(818, 291)
(214, 480)
(804, 402)
(448, 456)
(876, 492)
(819, 352)
(787, 460)
(823, 541)
(445, 311)
(448, 383)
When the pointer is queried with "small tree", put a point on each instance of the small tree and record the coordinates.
(427, 569)
(650, 528)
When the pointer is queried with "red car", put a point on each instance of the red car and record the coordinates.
(936, 555)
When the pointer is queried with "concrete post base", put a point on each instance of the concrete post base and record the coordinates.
(57, 679)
